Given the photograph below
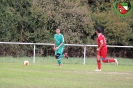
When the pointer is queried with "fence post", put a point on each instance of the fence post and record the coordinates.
(84, 53)
(34, 53)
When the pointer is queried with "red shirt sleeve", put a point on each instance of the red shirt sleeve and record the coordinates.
(101, 37)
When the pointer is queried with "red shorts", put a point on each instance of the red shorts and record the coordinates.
(102, 52)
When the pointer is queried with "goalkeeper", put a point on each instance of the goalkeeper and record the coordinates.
(59, 46)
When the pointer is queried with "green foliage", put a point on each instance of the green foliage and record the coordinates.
(71, 16)
(36, 21)
(117, 30)
(21, 21)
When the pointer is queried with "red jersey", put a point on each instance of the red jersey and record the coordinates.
(101, 38)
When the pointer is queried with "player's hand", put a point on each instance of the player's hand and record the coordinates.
(98, 49)
(55, 48)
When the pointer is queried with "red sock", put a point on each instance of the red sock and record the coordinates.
(105, 61)
(98, 64)
(111, 60)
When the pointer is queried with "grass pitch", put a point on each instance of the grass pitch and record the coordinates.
(73, 74)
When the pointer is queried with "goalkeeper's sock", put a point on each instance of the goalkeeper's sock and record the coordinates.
(59, 61)
(62, 55)
(99, 64)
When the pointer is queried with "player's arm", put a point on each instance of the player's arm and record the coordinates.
(60, 45)
(56, 48)
(101, 45)
(54, 45)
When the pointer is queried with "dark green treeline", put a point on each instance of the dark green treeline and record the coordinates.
(36, 21)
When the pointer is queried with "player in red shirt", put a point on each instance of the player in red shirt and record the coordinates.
(102, 50)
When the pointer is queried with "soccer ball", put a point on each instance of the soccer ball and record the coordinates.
(26, 62)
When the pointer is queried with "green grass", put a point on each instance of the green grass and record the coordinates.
(73, 74)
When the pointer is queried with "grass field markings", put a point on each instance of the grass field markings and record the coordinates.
(118, 73)
(72, 72)
(92, 72)
(49, 75)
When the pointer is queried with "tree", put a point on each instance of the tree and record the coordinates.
(71, 16)
(117, 29)
(21, 21)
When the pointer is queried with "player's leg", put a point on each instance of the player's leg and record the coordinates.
(111, 60)
(61, 52)
(60, 55)
(57, 56)
(104, 54)
(107, 60)
(66, 55)
(98, 61)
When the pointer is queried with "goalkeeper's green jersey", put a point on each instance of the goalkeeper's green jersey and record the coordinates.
(59, 39)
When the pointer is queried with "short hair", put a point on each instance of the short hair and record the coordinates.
(98, 29)
(57, 28)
